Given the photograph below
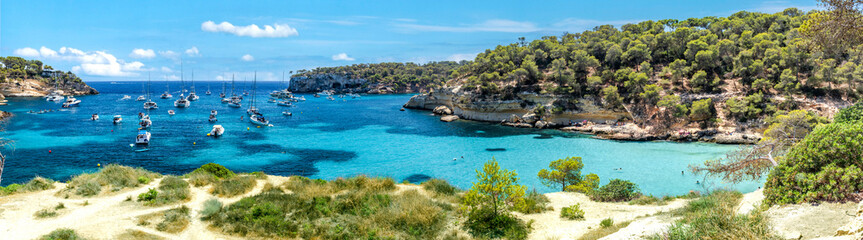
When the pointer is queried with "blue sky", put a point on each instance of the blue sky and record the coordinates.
(124, 40)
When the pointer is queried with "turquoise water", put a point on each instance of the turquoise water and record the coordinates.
(323, 139)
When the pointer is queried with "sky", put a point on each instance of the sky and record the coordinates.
(213, 40)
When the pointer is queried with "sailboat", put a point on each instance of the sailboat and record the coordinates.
(222, 94)
(56, 95)
(235, 102)
(255, 116)
(208, 90)
(182, 102)
(149, 104)
(167, 93)
(192, 95)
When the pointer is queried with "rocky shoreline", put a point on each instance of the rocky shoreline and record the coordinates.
(591, 119)
(37, 88)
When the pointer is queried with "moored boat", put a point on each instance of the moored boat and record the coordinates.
(143, 137)
(217, 131)
(118, 119)
(71, 102)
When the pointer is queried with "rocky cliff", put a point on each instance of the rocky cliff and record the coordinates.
(584, 114)
(338, 83)
(38, 88)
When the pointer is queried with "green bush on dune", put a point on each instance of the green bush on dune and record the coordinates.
(114, 176)
(62, 234)
(616, 190)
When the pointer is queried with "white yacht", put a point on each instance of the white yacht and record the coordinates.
(149, 104)
(141, 98)
(259, 120)
(192, 96)
(167, 93)
(171, 112)
(71, 102)
(146, 123)
(212, 118)
(255, 116)
(287, 113)
(125, 97)
(182, 102)
(118, 119)
(143, 137)
(217, 131)
(55, 96)
(284, 103)
(94, 117)
(234, 101)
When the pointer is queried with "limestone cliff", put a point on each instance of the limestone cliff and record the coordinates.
(38, 88)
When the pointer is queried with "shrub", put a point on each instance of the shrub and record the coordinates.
(713, 217)
(148, 196)
(216, 170)
(851, 114)
(827, 165)
(234, 186)
(573, 212)
(115, 176)
(12, 188)
(88, 188)
(484, 223)
(38, 184)
(608, 222)
(211, 207)
(615, 191)
(62, 234)
(45, 213)
(201, 178)
(175, 220)
(534, 202)
(645, 200)
(59, 206)
(439, 186)
(143, 180)
(567, 174)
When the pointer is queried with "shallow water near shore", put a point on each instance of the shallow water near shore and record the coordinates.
(323, 139)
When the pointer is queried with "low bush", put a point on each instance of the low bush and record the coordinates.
(234, 186)
(12, 188)
(439, 186)
(573, 212)
(201, 178)
(143, 180)
(62, 234)
(114, 176)
(138, 235)
(650, 200)
(216, 170)
(485, 224)
(599, 233)
(172, 189)
(616, 190)
(713, 217)
(45, 213)
(174, 220)
(608, 222)
(211, 207)
(148, 196)
(38, 184)
(534, 202)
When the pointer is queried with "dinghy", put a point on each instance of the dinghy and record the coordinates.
(217, 131)
(117, 119)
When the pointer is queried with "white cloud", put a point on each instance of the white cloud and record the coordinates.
(142, 53)
(274, 31)
(461, 56)
(193, 51)
(166, 69)
(493, 25)
(169, 54)
(99, 63)
(342, 57)
(247, 58)
(26, 52)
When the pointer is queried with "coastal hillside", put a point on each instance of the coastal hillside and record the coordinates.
(31, 78)
(377, 78)
(709, 79)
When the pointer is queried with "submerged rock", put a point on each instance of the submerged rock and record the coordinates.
(449, 118)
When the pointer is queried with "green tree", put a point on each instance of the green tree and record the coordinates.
(567, 173)
(651, 93)
(611, 96)
(701, 82)
(673, 104)
(496, 189)
(702, 110)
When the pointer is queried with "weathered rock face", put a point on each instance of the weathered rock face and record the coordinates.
(442, 110)
(855, 227)
(449, 118)
(36, 88)
(320, 82)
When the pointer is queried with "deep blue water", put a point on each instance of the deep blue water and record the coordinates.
(323, 139)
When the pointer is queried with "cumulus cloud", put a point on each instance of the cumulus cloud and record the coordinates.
(169, 54)
(274, 31)
(166, 69)
(193, 51)
(247, 58)
(142, 53)
(98, 63)
(342, 57)
(26, 52)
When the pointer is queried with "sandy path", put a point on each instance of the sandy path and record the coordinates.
(750, 201)
(810, 221)
(549, 225)
(107, 216)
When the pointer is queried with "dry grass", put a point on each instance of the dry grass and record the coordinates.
(603, 231)
(114, 177)
(234, 186)
(131, 234)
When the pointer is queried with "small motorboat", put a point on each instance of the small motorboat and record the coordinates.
(316, 95)
(330, 97)
(217, 131)
(283, 103)
(213, 118)
(141, 98)
(146, 123)
(171, 112)
(271, 100)
(55, 96)
(166, 95)
(301, 98)
(214, 112)
(143, 137)
(71, 102)
(118, 119)
(126, 97)
(192, 97)
(234, 104)
(287, 113)
(94, 117)
(259, 120)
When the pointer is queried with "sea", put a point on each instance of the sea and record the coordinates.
(326, 139)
